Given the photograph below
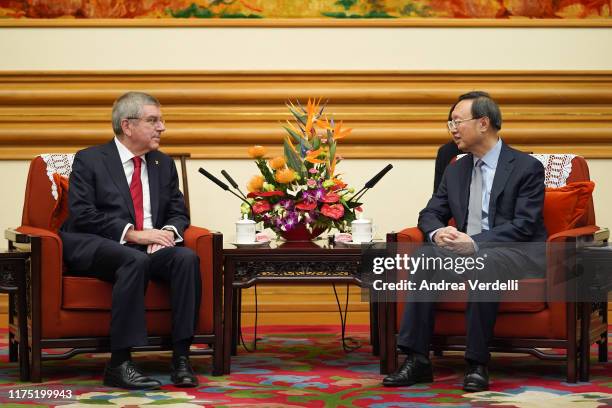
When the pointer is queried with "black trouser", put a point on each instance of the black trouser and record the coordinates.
(129, 268)
(481, 309)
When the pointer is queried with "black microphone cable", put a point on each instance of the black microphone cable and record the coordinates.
(254, 344)
(349, 344)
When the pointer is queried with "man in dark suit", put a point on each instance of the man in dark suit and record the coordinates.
(126, 217)
(496, 196)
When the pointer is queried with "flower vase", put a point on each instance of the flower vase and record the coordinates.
(301, 233)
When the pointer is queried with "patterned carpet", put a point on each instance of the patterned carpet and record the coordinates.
(298, 367)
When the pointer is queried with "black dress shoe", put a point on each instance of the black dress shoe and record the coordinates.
(127, 375)
(414, 370)
(182, 373)
(476, 378)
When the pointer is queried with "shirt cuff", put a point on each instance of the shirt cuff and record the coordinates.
(475, 246)
(432, 233)
(177, 236)
(122, 240)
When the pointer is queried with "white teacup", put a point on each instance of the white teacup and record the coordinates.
(362, 230)
(245, 231)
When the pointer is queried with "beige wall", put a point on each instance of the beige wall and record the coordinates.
(397, 200)
(393, 204)
(305, 48)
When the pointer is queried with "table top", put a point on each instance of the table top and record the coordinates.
(317, 246)
(13, 254)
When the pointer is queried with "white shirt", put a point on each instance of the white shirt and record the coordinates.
(128, 168)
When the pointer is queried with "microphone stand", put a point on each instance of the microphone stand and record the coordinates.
(371, 183)
(232, 182)
(223, 186)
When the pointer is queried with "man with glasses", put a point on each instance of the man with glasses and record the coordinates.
(125, 225)
(495, 195)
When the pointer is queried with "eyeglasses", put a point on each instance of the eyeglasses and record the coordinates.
(151, 120)
(454, 124)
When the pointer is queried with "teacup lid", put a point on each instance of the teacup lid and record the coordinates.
(245, 220)
(361, 221)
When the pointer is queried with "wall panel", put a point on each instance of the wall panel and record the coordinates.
(393, 114)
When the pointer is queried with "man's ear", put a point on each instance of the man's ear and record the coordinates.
(484, 124)
(125, 127)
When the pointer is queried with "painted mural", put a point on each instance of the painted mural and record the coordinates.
(297, 9)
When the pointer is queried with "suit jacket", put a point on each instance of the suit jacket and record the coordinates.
(100, 204)
(515, 207)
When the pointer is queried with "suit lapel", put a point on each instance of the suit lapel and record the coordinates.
(505, 166)
(153, 170)
(115, 169)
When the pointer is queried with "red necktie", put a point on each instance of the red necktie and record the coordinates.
(136, 192)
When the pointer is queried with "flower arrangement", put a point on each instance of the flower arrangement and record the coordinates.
(301, 188)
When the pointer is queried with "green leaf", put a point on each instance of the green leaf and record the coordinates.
(293, 160)
(299, 116)
(298, 138)
(316, 142)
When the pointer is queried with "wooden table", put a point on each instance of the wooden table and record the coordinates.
(596, 283)
(282, 262)
(13, 269)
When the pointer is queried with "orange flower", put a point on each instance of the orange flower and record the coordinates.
(311, 111)
(257, 152)
(324, 124)
(312, 155)
(285, 176)
(277, 163)
(339, 133)
(255, 184)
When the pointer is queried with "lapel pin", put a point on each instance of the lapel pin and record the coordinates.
(156, 162)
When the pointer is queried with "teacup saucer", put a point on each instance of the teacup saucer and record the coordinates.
(351, 244)
(255, 244)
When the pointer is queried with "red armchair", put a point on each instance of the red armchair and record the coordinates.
(73, 313)
(523, 327)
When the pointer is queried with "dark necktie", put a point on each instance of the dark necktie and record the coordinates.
(474, 224)
(136, 192)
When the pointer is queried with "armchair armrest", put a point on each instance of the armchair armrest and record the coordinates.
(209, 248)
(412, 234)
(589, 233)
(45, 245)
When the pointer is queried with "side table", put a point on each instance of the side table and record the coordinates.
(13, 268)
(596, 264)
(311, 262)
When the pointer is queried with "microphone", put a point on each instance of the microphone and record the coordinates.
(372, 182)
(223, 185)
(377, 177)
(232, 182)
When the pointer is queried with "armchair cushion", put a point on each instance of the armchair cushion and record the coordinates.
(60, 211)
(565, 206)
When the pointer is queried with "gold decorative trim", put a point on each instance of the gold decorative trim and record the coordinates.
(310, 23)
(394, 114)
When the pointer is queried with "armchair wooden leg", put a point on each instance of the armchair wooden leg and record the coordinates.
(602, 346)
(36, 367)
(374, 339)
(217, 365)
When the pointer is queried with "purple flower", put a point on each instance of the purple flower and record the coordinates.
(286, 204)
(319, 193)
(290, 221)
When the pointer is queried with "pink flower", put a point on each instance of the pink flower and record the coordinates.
(334, 211)
(261, 206)
(330, 198)
(306, 205)
(265, 194)
(313, 171)
(311, 183)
